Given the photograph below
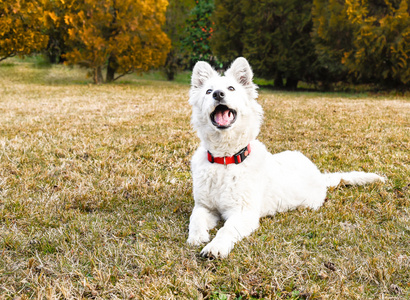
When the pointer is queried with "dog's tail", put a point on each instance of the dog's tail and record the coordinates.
(351, 178)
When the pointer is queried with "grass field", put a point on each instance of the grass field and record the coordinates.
(95, 195)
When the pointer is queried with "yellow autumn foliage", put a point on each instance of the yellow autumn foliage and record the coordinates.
(382, 43)
(21, 24)
(124, 35)
(368, 39)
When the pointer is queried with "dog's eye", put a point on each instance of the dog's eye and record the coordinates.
(208, 91)
(231, 88)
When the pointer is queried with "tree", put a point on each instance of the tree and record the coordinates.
(227, 40)
(368, 40)
(274, 35)
(199, 30)
(56, 30)
(331, 36)
(176, 17)
(380, 49)
(123, 35)
(21, 27)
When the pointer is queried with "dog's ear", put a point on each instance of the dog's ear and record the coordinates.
(201, 73)
(241, 71)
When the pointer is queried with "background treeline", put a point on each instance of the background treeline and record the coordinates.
(288, 41)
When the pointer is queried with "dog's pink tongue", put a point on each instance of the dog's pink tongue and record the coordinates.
(223, 118)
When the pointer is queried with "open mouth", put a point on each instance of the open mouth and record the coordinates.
(223, 117)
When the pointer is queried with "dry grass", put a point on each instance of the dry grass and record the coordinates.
(95, 195)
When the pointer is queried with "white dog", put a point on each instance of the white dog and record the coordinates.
(234, 177)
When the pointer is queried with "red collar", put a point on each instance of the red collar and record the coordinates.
(235, 159)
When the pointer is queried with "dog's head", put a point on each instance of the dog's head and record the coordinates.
(224, 109)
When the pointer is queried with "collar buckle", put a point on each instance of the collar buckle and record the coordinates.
(227, 160)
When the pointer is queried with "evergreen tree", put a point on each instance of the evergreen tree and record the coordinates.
(227, 40)
(199, 29)
(273, 34)
(176, 18)
(331, 36)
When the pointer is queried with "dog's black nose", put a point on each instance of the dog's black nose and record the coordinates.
(218, 95)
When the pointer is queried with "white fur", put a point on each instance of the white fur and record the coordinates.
(262, 184)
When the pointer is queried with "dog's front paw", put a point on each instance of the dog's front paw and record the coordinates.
(198, 239)
(216, 249)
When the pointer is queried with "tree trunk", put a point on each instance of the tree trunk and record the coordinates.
(111, 68)
(171, 65)
(278, 82)
(291, 83)
(97, 75)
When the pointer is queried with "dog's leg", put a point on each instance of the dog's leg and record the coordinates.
(236, 227)
(202, 220)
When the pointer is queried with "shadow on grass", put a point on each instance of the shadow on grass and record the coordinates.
(6, 65)
(37, 70)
